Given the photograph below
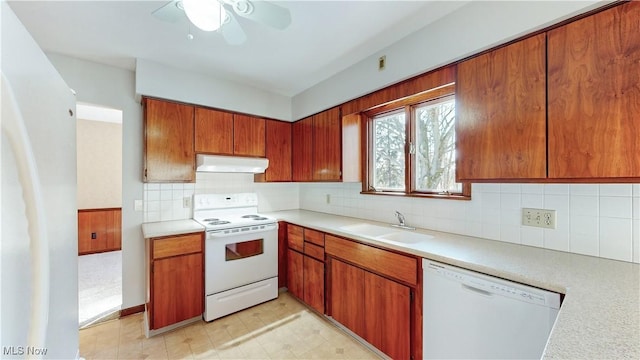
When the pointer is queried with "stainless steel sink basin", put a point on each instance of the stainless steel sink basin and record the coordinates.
(383, 233)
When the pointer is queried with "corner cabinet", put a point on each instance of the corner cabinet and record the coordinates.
(278, 151)
(594, 98)
(305, 266)
(168, 141)
(175, 279)
(501, 113)
(324, 145)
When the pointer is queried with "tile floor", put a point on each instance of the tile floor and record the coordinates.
(280, 329)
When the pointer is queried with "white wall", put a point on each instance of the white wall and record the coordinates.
(112, 87)
(592, 219)
(99, 164)
(153, 79)
(476, 26)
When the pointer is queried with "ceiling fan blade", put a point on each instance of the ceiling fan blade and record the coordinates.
(263, 12)
(232, 31)
(170, 12)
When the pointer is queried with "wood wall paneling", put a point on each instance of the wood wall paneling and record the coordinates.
(594, 97)
(106, 224)
(500, 109)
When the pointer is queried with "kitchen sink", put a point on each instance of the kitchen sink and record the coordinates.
(384, 233)
(405, 237)
(369, 230)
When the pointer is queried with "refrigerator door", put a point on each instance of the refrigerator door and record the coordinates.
(38, 258)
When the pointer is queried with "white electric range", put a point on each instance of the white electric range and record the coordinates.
(241, 252)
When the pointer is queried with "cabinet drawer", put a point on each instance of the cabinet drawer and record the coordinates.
(177, 245)
(400, 267)
(314, 251)
(294, 237)
(314, 236)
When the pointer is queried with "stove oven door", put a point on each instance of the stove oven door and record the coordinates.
(240, 258)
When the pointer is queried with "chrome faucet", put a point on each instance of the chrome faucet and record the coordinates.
(401, 222)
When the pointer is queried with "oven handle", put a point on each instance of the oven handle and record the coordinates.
(239, 231)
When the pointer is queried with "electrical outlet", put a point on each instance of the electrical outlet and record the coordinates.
(137, 205)
(539, 218)
(186, 202)
(328, 198)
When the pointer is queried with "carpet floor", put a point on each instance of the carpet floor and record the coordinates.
(99, 286)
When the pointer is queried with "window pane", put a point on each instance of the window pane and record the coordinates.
(435, 153)
(388, 153)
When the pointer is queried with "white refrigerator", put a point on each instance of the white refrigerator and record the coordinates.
(38, 228)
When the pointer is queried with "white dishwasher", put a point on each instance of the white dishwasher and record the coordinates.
(468, 315)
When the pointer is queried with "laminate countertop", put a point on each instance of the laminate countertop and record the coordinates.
(599, 317)
(168, 228)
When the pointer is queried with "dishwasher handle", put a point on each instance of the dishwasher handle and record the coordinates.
(476, 290)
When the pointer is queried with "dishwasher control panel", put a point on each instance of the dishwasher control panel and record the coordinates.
(491, 286)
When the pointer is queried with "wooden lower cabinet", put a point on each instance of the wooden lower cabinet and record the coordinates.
(295, 270)
(313, 284)
(373, 307)
(175, 279)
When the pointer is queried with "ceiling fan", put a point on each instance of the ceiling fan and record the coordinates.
(211, 15)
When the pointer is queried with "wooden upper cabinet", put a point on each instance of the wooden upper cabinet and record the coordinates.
(500, 113)
(168, 142)
(248, 135)
(594, 98)
(214, 131)
(278, 151)
(302, 147)
(327, 145)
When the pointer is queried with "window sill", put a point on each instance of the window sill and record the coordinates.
(419, 195)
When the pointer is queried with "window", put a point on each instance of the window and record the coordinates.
(411, 147)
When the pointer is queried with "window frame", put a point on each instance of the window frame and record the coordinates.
(407, 105)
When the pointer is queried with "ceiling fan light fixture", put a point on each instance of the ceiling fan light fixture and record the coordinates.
(207, 15)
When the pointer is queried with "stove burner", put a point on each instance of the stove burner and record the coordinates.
(210, 219)
(219, 222)
(259, 218)
(250, 216)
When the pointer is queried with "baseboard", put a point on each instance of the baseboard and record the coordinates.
(132, 310)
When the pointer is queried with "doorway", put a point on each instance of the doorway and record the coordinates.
(99, 173)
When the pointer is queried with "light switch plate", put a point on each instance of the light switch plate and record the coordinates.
(137, 205)
(542, 218)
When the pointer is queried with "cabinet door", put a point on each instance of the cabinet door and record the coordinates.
(594, 95)
(168, 142)
(500, 113)
(387, 308)
(327, 145)
(295, 270)
(302, 150)
(178, 292)
(278, 150)
(347, 295)
(314, 283)
(248, 135)
(213, 131)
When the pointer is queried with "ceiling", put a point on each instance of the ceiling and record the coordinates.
(324, 38)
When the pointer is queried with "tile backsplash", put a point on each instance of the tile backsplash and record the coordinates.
(164, 202)
(592, 219)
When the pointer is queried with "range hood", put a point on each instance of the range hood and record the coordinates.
(230, 164)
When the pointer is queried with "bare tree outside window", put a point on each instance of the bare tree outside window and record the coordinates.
(389, 152)
(435, 153)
